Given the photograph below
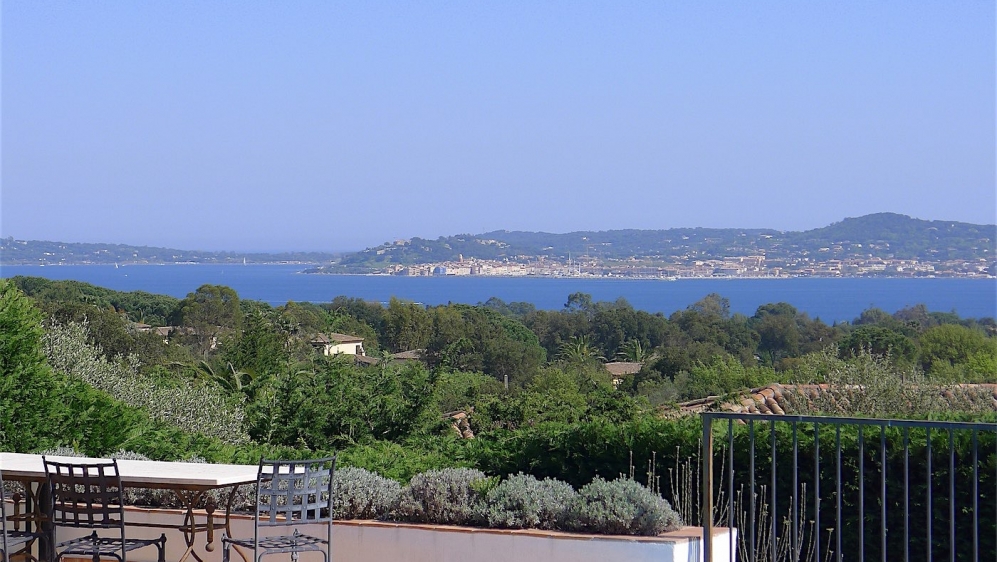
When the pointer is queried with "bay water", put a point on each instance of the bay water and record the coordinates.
(829, 299)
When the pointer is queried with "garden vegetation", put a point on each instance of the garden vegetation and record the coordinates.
(556, 439)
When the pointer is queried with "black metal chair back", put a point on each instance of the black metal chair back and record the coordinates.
(91, 496)
(86, 495)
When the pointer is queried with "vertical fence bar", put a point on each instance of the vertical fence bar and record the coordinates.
(775, 509)
(976, 497)
(751, 471)
(951, 495)
(817, 490)
(861, 494)
(730, 489)
(882, 491)
(796, 494)
(806, 539)
(927, 435)
(906, 494)
(707, 484)
(837, 519)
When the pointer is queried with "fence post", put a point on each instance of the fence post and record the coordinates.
(707, 483)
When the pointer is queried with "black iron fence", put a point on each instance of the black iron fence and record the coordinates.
(834, 489)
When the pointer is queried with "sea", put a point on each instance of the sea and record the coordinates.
(831, 300)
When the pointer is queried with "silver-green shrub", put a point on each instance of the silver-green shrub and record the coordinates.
(191, 408)
(361, 494)
(523, 502)
(445, 497)
(620, 507)
(869, 385)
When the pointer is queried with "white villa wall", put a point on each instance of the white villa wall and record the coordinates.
(337, 348)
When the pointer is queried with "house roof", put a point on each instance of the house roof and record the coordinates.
(621, 368)
(337, 338)
(410, 355)
(364, 360)
(344, 338)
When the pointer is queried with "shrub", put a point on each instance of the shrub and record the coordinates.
(32, 406)
(444, 497)
(523, 502)
(361, 494)
(620, 507)
(402, 461)
(190, 408)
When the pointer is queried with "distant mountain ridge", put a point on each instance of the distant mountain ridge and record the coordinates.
(38, 252)
(882, 235)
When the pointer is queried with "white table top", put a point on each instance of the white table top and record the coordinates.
(152, 474)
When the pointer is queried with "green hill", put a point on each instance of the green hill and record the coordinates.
(39, 252)
(883, 235)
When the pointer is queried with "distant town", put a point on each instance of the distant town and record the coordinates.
(733, 267)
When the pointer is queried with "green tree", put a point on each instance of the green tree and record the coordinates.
(31, 406)
(950, 345)
(553, 396)
(778, 332)
(878, 340)
(580, 302)
(634, 352)
(474, 338)
(457, 390)
(208, 312)
(407, 325)
(262, 347)
(340, 403)
(722, 375)
(579, 351)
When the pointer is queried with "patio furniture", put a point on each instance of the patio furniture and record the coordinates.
(190, 482)
(290, 494)
(13, 539)
(90, 496)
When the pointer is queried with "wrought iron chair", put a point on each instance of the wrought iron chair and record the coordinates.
(290, 494)
(90, 496)
(16, 540)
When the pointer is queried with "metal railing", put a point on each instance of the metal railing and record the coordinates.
(834, 489)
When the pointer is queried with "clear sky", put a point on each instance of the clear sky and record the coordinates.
(335, 126)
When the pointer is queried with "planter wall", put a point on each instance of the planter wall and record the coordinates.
(376, 541)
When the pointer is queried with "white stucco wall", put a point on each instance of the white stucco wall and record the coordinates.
(373, 541)
(347, 348)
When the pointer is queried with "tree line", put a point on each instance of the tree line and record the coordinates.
(236, 378)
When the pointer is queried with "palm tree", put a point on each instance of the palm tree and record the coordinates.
(633, 352)
(230, 379)
(578, 350)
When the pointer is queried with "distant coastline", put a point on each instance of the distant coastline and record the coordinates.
(882, 245)
(832, 299)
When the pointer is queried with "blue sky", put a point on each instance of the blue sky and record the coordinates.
(335, 126)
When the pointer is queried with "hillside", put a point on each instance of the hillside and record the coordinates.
(901, 237)
(886, 236)
(36, 252)
(883, 235)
